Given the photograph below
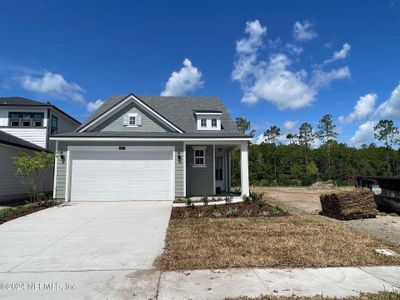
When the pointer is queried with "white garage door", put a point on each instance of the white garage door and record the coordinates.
(121, 175)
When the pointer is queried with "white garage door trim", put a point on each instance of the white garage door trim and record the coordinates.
(74, 149)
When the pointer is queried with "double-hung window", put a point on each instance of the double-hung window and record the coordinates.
(203, 122)
(132, 120)
(37, 120)
(14, 120)
(25, 119)
(213, 122)
(199, 157)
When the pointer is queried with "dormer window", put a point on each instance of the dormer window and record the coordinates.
(208, 120)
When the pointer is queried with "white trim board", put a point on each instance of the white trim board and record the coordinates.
(120, 105)
(217, 140)
(55, 171)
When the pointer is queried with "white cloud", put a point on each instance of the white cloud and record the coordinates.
(340, 54)
(293, 49)
(92, 106)
(289, 125)
(275, 80)
(323, 78)
(364, 108)
(391, 107)
(247, 49)
(275, 43)
(186, 80)
(303, 31)
(52, 84)
(363, 135)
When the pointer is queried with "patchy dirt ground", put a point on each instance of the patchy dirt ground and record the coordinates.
(386, 227)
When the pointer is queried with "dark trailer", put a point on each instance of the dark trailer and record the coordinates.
(386, 191)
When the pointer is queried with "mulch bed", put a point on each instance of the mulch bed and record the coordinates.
(349, 205)
(12, 213)
(234, 210)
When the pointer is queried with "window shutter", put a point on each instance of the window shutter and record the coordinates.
(126, 120)
(139, 120)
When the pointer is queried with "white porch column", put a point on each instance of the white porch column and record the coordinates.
(244, 169)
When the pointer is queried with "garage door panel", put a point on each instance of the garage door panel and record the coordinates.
(130, 175)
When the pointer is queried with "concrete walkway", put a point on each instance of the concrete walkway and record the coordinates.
(199, 284)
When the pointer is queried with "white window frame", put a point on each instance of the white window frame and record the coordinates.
(196, 165)
(205, 122)
(212, 122)
(129, 120)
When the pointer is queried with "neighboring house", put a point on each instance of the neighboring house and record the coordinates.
(150, 148)
(11, 186)
(34, 121)
(25, 127)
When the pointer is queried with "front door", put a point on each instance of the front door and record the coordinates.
(219, 173)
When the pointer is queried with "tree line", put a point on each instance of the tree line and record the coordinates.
(298, 163)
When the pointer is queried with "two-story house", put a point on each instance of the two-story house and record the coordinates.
(26, 126)
(34, 121)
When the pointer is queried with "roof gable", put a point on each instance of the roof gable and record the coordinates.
(115, 122)
(114, 105)
(178, 110)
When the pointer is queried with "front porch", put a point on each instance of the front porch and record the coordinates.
(208, 169)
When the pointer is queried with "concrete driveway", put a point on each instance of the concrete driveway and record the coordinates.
(86, 250)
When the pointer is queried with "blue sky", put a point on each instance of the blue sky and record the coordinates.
(273, 62)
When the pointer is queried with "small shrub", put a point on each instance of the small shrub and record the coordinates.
(261, 203)
(232, 211)
(256, 196)
(217, 214)
(275, 210)
(220, 199)
(247, 212)
(213, 199)
(186, 214)
(246, 198)
(188, 201)
(228, 199)
(204, 200)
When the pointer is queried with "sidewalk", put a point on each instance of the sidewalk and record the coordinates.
(218, 284)
(197, 285)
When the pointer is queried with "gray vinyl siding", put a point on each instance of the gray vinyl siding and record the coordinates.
(11, 186)
(199, 180)
(116, 122)
(179, 180)
(61, 172)
(64, 125)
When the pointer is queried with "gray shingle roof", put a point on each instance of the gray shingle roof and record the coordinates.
(9, 139)
(20, 101)
(179, 111)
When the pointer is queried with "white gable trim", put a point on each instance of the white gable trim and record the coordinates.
(120, 105)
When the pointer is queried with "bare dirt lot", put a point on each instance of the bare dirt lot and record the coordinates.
(386, 227)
